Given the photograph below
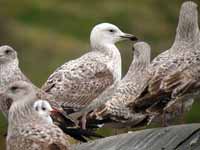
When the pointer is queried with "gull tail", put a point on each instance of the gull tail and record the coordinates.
(80, 134)
(69, 126)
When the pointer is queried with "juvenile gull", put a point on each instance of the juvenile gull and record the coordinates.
(129, 88)
(184, 81)
(182, 53)
(27, 130)
(9, 72)
(79, 81)
(45, 111)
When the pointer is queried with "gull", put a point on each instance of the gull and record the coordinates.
(131, 86)
(44, 110)
(27, 129)
(182, 54)
(77, 82)
(128, 89)
(183, 82)
(10, 72)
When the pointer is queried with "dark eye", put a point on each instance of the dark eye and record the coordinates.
(14, 88)
(8, 51)
(111, 30)
(36, 108)
(43, 108)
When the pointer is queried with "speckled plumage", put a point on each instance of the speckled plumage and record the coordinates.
(79, 81)
(128, 89)
(182, 54)
(33, 136)
(27, 130)
(184, 81)
(9, 72)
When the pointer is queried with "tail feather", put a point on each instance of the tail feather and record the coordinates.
(60, 118)
(70, 127)
(154, 85)
(80, 134)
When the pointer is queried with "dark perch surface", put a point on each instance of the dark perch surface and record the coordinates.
(181, 137)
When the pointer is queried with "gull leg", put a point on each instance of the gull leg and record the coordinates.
(83, 121)
(182, 113)
(116, 131)
(164, 122)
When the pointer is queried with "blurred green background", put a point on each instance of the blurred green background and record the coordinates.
(47, 33)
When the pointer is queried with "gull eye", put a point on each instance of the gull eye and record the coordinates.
(14, 88)
(43, 108)
(8, 51)
(111, 30)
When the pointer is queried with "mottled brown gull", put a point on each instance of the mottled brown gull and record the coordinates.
(27, 130)
(10, 72)
(184, 81)
(182, 53)
(79, 81)
(129, 88)
(112, 106)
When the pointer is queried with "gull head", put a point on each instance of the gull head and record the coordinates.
(7, 54)
(189, 9)
(20, 90)
(188, 28)
(142, 52)
(189, 14)
(43, 108)
(106, 33)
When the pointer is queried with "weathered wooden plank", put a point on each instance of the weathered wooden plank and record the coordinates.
(181, 137)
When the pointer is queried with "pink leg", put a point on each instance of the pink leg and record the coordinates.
(83, 121)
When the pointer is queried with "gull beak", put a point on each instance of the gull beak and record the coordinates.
(54, 111)
(129, 36)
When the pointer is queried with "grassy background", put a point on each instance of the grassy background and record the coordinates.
(47, 33)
